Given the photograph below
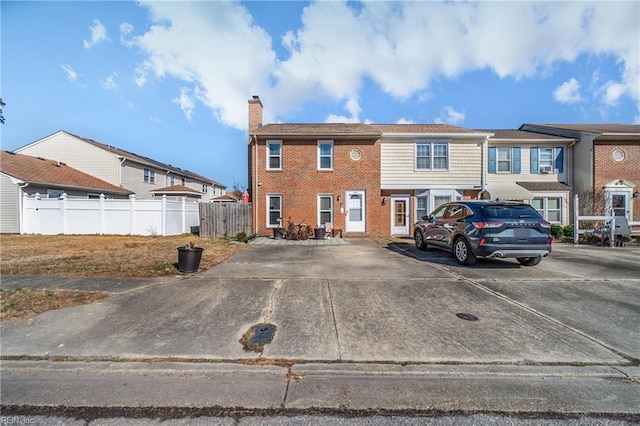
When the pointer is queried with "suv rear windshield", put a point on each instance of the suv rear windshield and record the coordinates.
(510, 212)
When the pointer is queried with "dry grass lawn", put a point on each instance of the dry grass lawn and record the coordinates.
(104, 255)
(92, 256)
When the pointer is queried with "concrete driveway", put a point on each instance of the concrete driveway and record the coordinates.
(344, 311)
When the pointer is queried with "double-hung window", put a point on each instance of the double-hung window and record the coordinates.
(432, 155)
(274, 210)
(547, 160)
(549, 207)
(274, 155)
(149, 175)
(325, 155)
(325, 209)
(504, 160)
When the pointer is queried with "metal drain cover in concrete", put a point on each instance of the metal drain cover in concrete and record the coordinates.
(257, 336)
(467, 317)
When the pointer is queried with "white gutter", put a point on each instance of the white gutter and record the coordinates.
(438, 135)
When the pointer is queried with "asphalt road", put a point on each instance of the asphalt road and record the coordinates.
(361, 329)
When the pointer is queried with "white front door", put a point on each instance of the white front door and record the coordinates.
(356, 212)
(400, 215)
(618, 204)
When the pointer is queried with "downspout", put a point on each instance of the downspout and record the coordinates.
(483, 167)
(254, 139)
(20, 208)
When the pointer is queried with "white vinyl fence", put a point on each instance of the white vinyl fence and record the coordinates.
(52, 216)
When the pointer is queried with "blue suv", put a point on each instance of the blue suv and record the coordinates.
(490, 229)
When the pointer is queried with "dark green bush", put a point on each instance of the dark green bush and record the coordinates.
(241, 236)
(567, 231)
(556, 231)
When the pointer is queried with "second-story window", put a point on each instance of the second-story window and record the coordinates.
(149, 175)
(504, 160)
(274, 155)
(325, 155)
(432, 155)
(205, 188)
(172, 180)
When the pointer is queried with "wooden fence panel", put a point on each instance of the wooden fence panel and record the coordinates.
(225, 219)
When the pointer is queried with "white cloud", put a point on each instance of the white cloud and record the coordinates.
(125, 31)
(110, 82)
(71, 74)
(98, 34)
(568, 92)
(215, 48)
(449, 115)
(405, 121)
(333, 118)
(185, 102)
(612, 92)
(400, 47)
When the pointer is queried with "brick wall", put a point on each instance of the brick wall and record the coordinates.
(606, 169)
(300, 182)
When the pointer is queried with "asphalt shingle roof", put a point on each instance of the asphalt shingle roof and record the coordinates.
(49, 172)
(519, 134)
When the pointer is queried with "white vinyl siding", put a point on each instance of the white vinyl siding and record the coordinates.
(398, 164)
(9, 202)
(78, 154)
(525, 169)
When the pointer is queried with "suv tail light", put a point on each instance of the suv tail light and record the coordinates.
(483, 225)
(546, 225)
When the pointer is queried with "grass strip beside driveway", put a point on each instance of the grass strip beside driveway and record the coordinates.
(110, 256)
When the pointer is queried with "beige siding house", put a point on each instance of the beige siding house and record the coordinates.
(531, 167)
(144, 176)
(22, 175)
(423, 166)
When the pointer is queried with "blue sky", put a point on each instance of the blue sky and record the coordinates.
(171, 80)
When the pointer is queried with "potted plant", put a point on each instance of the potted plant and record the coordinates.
(189, 258)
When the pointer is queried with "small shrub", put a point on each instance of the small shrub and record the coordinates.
(556, 231)
(241, 236)
(567, 231)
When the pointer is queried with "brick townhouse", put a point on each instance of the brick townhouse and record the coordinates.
(366, 180)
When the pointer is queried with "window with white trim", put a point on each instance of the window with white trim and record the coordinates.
(274, 155)
(432, 155)
(274, 210)
(149, 175)
(205, 188)
(549, 207)
(325, 209)
(546, 157)
(504, 160)
(325, 155)
(421, 207)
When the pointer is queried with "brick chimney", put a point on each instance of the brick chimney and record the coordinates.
(255, 113)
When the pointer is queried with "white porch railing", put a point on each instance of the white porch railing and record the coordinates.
(604, 219)
(53, 216)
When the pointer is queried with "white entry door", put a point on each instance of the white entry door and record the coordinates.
(356, 212)
(400, 215)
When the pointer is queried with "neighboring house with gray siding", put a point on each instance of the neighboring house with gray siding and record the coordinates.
(142, 175)
(23, 174)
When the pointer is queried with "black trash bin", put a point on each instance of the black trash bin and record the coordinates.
(189, 259)
(277, 234)
(319, 233)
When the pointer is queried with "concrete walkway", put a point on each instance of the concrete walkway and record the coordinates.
(329, 241)
(359, 327)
